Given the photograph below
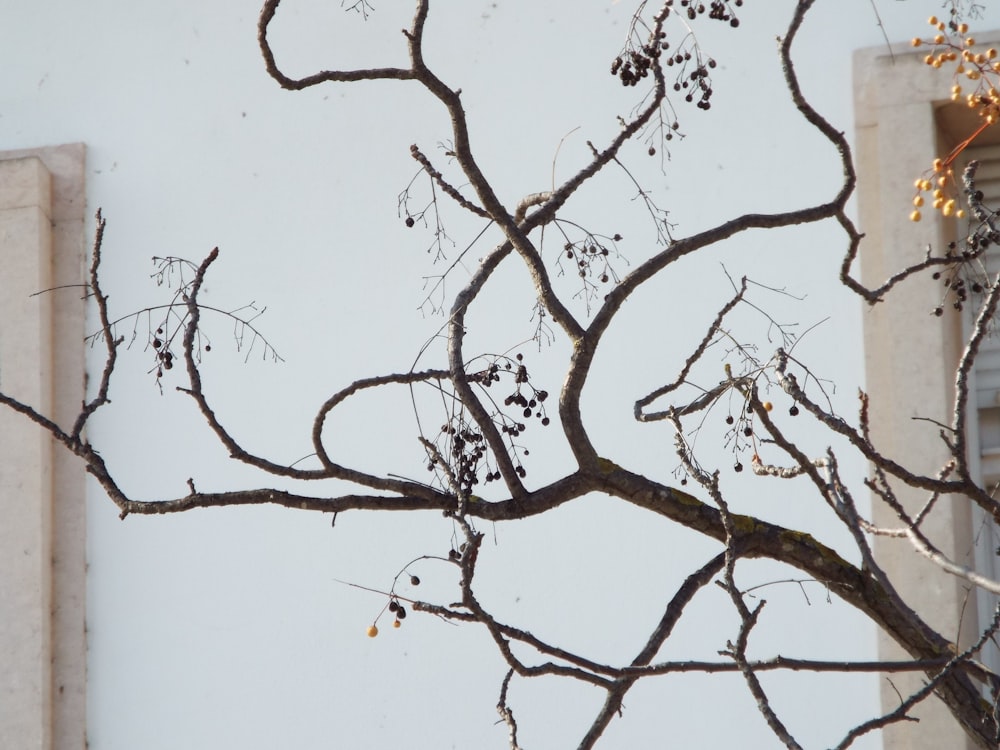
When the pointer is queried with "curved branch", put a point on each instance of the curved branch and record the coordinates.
(344, 76)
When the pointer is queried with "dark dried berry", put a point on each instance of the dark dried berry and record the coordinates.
(793, 410)
(748, 430)
(738, 467)
(157, 343)
(409, 221)
(414, 581)
(393, 605)
(729, 419)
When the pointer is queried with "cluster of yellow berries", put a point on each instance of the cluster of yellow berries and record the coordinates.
(982, 69)
(937, 186)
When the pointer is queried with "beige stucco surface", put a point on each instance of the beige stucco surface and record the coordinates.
(42, 541)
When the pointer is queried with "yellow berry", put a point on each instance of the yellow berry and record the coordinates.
(915, 216)
(918, 201)
(991, 53)
(939, 39)
(767, 406)
(962, 28)
(938, 165)
(969, 42)
(948, 208)
(372, 631)
(938, 202)
(916, 41)
(396, 623)
(960, 213)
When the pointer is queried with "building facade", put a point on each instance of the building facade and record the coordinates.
(904, 120)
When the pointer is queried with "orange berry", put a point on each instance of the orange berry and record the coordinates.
(767, 406)
(915, 216)
(372, 631)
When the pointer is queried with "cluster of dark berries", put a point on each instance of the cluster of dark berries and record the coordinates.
(398, 610)
(394, 606)
(959, 289)
(968, 275)
(695, 83)
(591, 255)
(461, 445)
(584, 255)
(717, 10)
(164, 357)
(741, 436)
(456, 554)
(633, 65)
(531, 406)
(467, 450)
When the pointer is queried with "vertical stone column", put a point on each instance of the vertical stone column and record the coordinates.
(42, 487)
(26, 465)
(910, 357)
